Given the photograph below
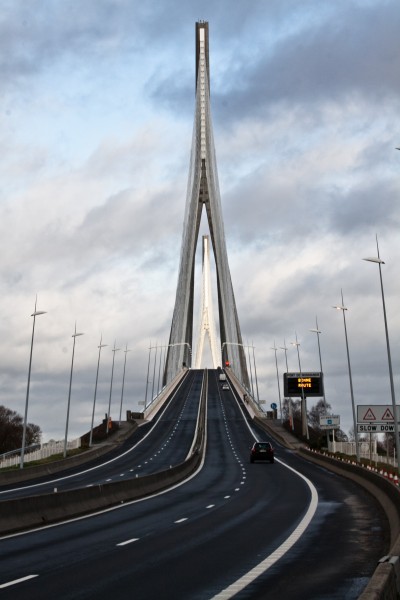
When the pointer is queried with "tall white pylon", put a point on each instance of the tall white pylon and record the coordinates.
(203, 192)
(206, 315)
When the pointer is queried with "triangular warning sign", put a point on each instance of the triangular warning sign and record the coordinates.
(387, 415)
(369, 416)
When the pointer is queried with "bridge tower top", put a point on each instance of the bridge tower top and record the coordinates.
(203, 190)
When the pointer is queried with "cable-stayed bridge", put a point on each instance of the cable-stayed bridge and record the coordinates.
(203, 191)
(173, 508)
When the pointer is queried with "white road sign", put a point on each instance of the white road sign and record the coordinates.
(329, 421)
(375, 427)
(376, 413)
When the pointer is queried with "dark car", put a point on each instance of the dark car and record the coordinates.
(262, 451)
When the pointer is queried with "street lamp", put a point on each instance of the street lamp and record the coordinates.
(154, 373)
(343, 309)
(243, 346)
(304, 424)
(114, 350)
(255, 375)
(318, 332)
(184, 344)
(291, 421)
(159, 367)
(123, 384)
(75, 335)
(147, 378)
(35, 314)
(277, 378)
(251, 370)
(95, 389)
(396, 426)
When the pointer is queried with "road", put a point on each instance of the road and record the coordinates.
(233, 524)
(153, 447)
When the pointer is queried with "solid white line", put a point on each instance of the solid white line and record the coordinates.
(112, 508)
(270, 560)
(101, 464)
(4, 585)
(128, 542)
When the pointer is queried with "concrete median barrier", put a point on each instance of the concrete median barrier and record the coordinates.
(27, 513)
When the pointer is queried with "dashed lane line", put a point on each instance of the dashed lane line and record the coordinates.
(126, 542)
(16, 581)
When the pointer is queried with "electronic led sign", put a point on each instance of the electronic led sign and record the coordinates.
(299, 384)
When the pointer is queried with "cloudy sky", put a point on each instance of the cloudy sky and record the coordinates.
(97, 105)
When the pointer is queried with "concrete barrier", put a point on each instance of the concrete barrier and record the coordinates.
(33, 511)
(385, 582)
(27, 473)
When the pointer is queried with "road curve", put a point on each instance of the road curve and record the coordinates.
(153, 447)
(201, 538)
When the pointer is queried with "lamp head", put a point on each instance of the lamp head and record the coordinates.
(375, 260)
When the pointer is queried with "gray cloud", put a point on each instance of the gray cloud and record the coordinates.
(98, 102)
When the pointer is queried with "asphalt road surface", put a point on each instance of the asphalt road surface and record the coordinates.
(287, 531)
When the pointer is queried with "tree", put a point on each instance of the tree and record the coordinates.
(11, 428)
(316, 411)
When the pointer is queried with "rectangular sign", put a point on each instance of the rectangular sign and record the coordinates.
(376, 413)
(329, 421)
(375, 427)
(299, 384)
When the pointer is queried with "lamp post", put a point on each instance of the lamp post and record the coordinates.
(147, 378)
(183, 344)
(35, 314)
(154, 374)
(123, 384)
(380, 262)
(277, 378)
(343, 309)
(318, 332)
(95, 389)
(251, 371)
(75, 335)
(255, 375)
(289, 399)
(243, 346)
(304, 424)
(114, 350)
(159, 368)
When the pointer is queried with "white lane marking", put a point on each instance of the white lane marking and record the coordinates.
(181, 520)
(117, 507)
(101, 464)
(128, 542)
(210, 506)
(270, 560)
(4, 585)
